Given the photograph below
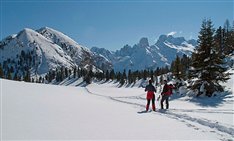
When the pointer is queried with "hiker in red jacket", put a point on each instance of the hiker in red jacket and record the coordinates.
(166, 93)
(150, 95)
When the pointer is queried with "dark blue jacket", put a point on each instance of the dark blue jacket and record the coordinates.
(150, 87)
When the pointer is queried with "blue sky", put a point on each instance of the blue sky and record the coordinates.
(112, 24)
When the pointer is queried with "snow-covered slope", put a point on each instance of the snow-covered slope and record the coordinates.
(105, 112)
(48, 49)
(144, 56)
(171, 46)
(47, 54)
(76, 51)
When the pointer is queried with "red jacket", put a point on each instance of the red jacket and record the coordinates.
(167, 89)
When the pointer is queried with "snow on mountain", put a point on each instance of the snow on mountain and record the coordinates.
(80, 54)
(125, 51)
(171, 46)
(144, 56)
(104, 52)
(50, 49)
(102, 58)
(192, 42)
(76, 51)
(47, 54)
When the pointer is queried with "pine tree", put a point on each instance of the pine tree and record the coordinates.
(130, 77)
(227, 26)
(219, 39)
(202, 55)
(219, 57)
(74, 72)
(122, 80)
(138, 75)
(69, 73)
(1, 72)
(185, 63)
(228, 38)
(112, 74)
(207, 63)
(145, 74)
(123, 77)
(66, 72)
(58, 76)
(27, 77)
(134, 76)
(15, 77)
(124, 74)
(9, 75)
(31, 81)
(118, 76)
(40, 79)
(89, 75)
(107, 75)
(177, 67)
(78, 72)
(62, 73)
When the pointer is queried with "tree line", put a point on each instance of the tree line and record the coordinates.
(124, 77)
(20, 68)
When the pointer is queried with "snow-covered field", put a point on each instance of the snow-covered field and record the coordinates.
(105, 112)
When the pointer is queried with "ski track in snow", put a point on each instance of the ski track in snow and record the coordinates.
(213, 126)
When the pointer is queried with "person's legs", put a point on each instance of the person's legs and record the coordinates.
(167, 102)
(162, 100)
(153, 103)
(148, 103)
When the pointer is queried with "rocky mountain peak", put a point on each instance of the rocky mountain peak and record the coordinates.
(143, 42)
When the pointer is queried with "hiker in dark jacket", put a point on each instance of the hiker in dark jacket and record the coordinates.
(166, 93)
(150, 95)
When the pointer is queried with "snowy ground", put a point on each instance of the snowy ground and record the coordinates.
(106, 112)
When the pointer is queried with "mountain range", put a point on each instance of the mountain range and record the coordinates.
(144, 56)
(47, 49)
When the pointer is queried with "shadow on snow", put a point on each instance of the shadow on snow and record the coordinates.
(213, 101)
